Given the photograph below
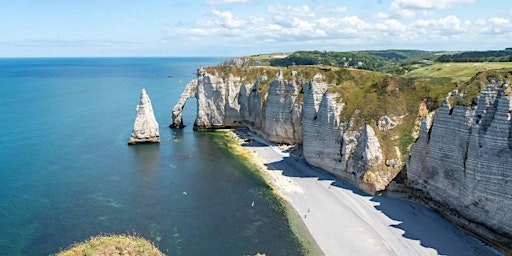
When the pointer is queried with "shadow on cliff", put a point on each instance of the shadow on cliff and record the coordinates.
(415, 221)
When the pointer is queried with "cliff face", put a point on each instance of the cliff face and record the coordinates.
(348, 150)
(228, 102)
(464, 163)
(292, 111)
(177, 118)
(282, 111)
(460, 163)
(217, 105)
(145, 128)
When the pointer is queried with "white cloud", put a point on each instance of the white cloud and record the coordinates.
(449, 28)
(498, 21)
(324, 9)
(390, 25)
(228, 20)
(309, 25)
(480, 22)
(428, 4)
(408, 8)
(295, 11)
(398, 11)
(305, 10)
(382, 15)
(497, 27)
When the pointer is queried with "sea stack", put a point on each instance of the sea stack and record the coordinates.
(145, 128)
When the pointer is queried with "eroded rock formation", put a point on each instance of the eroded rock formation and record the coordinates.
(177, 118)
(349, 150)
(229, 102)
(145, 128)
(282, 112)
(293, 112)
(463, 163)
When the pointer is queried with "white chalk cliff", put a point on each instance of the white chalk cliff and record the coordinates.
(293, 111)
(463, 164)
(145, 128)
(461, 161)
(345, 149)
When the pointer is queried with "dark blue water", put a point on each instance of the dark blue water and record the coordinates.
(66, 172)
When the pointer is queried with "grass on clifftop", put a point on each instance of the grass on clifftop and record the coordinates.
(458, 72)
(113, 245)
(369, 95)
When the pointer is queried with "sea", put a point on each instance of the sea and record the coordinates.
(67, 173)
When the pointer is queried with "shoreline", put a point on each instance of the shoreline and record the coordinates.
(332, 217)
(236, 145)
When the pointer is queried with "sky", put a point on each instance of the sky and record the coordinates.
(92, 28)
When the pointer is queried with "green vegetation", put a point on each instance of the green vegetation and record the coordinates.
(407, 78)
(477, 83)
(113, 245)
(478, 56)
(402, 54)
(389, 61)
(458, 72)
(338, 59)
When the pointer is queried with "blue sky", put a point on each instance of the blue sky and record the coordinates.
(58, 28)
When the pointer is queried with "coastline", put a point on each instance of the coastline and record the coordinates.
(236, 144)
(331, 217)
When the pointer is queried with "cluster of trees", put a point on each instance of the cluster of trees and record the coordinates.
(390, 61)
(338, 59)
(478, 56)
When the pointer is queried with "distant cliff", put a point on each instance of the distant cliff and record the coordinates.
(360, 125)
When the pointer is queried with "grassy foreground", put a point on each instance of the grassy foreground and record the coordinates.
(113, 245)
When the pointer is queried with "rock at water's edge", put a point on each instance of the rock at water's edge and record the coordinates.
(145, 128)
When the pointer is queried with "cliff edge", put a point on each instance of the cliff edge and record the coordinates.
(377, 130)
(462, 163)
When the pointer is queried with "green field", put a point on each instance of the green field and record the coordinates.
(458, 72)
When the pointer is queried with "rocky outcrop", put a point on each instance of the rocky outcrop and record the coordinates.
(145, 128)
(240, 62)
(460, 163)
(217, 104)
(282, 112)
(229, 102)
(294, 112)
(348, 150)
(463, 163)
(177, 118)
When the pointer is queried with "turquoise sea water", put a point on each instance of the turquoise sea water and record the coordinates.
(66, 172)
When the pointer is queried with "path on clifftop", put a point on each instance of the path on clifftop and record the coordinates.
(345, 221)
